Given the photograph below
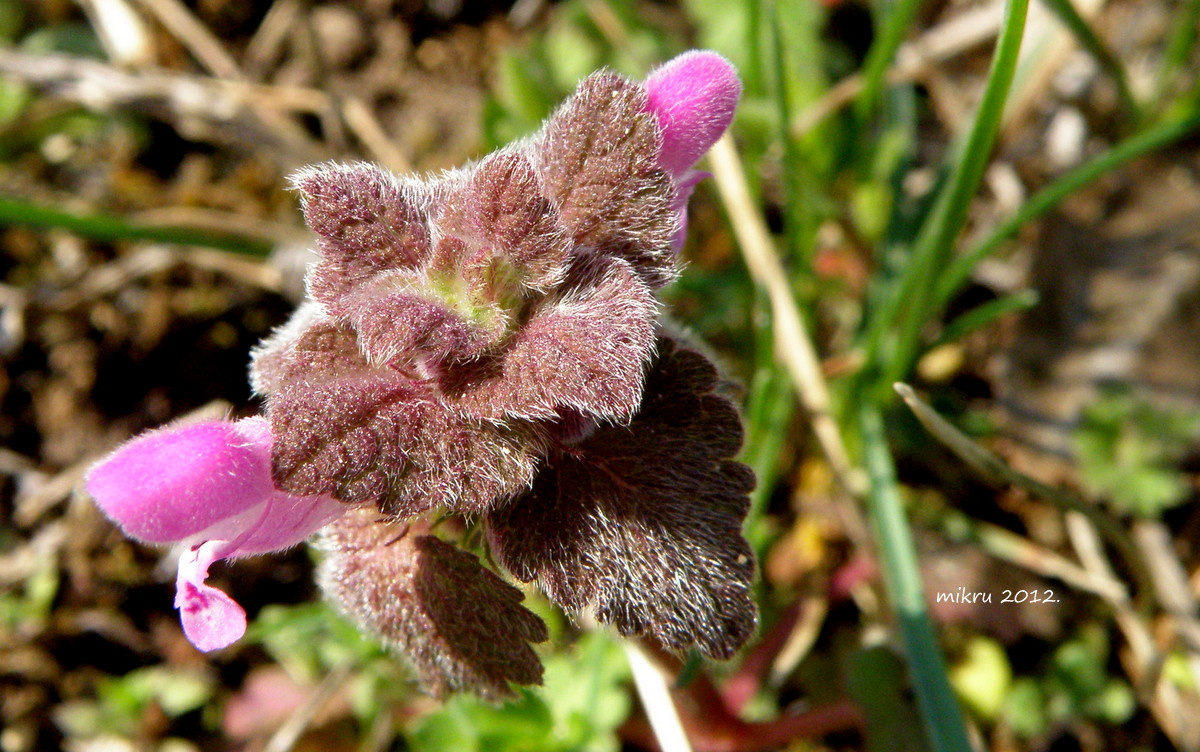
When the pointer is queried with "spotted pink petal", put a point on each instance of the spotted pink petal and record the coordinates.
(211, 619)
(693, 97)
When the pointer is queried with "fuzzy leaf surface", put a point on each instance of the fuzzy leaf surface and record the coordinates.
(401, 327)
(368, 222)
(270, 361)
(359, 432)
(463, 627)
(510, 237)
(584, 349)
(598, 158)
(642, 523)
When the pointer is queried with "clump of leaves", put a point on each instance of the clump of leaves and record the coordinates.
(1129, 452)
(1075, 684)
(484, 345)
(583, 703)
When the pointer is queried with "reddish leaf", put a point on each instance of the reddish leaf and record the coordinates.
(598, 158)
(365, 433)
(270, 362)
(463, 627)
(584, 349)
(643, 523)
(368, 222)
(509, 234)
(407, 328)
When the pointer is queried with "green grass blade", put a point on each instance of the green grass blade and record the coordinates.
(800, 218)
(769, 412)
(910, 305)
(984, 314)
(1179, 47)
(897, 21)
(104, 227)
(770, 407)
(1150, 140)
(1096, 47)
(939, 706)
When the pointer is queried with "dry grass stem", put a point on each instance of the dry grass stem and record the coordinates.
(1171, 584)
(654, 690)
(268, 41)
(220, 221)
(800, 640)
(366, 127)
(293, 728)
(914, 60)
(1015, 549)
(195, 37)
(151, 258)
(209, 109)
(792, 343)
(1145, 661)
(126, 38)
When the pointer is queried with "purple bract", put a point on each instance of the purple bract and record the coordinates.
(485, 345)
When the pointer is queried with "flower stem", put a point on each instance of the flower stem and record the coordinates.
(656, 699)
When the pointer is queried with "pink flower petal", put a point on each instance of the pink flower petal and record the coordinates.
(694, 97)
(211, 619)
(173, 483)
(684, 188)
(286, 519)
(203, 481)
(206, 484)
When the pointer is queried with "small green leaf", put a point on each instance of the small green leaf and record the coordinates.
(70, 38)
(1025, 708)
(1128, 450)
(983, 676)
(1113, 704)
(583, 701)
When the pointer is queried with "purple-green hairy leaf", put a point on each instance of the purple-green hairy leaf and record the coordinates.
(462, 626)
(510, 239)
(368, 222)
(431, 332)
(598, 159)
(584, 348)
(360, 432)
(375, 241)
(642, 523)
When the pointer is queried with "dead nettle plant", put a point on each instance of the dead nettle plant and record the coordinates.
(483, 345)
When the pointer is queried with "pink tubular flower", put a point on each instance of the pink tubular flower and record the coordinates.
(206, 486)
(693, 97)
